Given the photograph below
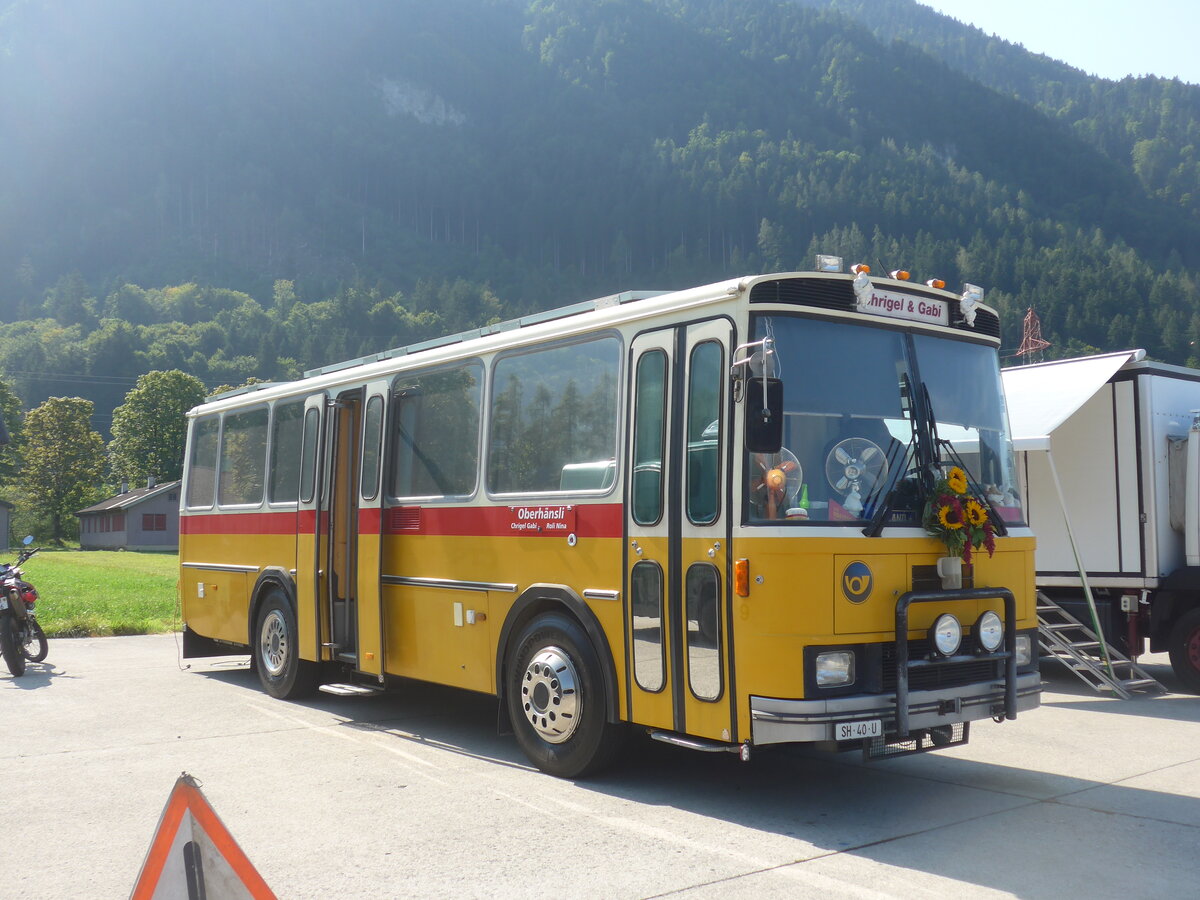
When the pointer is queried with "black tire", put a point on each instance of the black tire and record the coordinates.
(1184, 648)
(36, 647)
(284, 675)
(10, 645)
(557, 701)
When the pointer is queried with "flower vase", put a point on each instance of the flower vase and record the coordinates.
(949, 569)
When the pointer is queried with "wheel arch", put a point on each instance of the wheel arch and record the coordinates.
(543, 598)
(1180, 592)
(268, 578)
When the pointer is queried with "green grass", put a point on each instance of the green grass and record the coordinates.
(103, 592)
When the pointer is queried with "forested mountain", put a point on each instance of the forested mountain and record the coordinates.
(248, 188)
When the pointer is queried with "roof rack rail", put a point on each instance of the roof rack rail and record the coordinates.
(549, 315)
(244, 389)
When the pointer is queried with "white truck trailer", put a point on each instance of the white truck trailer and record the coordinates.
(1109, 454)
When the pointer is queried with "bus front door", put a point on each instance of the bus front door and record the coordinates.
(677, 531)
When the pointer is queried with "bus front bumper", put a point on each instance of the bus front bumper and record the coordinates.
(777, 721)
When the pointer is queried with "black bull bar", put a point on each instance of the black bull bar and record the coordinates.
(904, 665)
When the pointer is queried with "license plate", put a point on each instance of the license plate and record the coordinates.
(854, 731)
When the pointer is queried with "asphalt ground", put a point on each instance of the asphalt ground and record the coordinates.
(413, 794)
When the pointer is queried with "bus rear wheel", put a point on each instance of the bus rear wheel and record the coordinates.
(284, 675)
(556, 699)
(1184, 649)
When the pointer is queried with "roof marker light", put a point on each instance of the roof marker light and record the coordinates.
(901, 275)
(860, 269)
(936, 283)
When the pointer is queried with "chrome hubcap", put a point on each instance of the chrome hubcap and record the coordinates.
(550, 695)
(274, 643)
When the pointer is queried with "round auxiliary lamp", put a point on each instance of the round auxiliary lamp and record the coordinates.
(852, 465)
(779, 479)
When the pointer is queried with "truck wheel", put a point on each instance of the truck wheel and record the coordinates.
(284, 675)
(1185, 649)
(556, 699)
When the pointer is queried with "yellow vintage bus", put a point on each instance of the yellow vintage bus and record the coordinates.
(698, 513)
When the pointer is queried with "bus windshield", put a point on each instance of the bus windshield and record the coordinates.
(849, 435)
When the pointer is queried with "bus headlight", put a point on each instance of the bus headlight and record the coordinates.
(1024, 649)
(946, 634)
(835, 668)
(989, 631)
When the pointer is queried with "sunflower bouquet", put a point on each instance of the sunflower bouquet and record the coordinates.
(957, 518)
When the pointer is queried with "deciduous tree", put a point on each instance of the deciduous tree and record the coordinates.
(150, 429)
(63, 462)
(14, 418)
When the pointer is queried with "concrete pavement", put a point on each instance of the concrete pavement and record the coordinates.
(413, 794)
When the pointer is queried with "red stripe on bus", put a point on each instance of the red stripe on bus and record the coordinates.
(592, 520)
(240, 523)
(368, 521)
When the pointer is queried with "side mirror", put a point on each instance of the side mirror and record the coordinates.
(764, 415)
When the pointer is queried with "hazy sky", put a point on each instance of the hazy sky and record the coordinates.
(1109, 38)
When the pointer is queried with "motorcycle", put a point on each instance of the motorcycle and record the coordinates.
(21, 637)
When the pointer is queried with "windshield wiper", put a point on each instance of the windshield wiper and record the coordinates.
(998, 525)
(887, 490)
(939, 445)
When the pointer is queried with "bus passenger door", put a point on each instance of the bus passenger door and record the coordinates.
(650, 448)
(677, 531)
(343, 441)
(368, 570)
(311, 530)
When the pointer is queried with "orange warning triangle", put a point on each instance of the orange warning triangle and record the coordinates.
(194, 856)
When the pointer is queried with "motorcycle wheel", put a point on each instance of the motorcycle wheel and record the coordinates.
(10, 645)
(36, 647)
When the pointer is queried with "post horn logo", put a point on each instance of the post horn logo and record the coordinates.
(857, 582)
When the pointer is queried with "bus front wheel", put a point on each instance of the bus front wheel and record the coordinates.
(1184, 649)
(284, 675)
(556, 699)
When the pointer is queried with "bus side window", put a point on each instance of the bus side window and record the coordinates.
(285, 452)
(437, 421)
(646, 596)
(308, 471)
(554, 419)
(240, 481)
(372, 430)
(202, 463)
(705, 378)
(650, 399)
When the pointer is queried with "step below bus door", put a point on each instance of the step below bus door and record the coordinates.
(677, 528)
(312, 526)
(369, 551)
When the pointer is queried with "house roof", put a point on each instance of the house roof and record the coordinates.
(129, 499)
